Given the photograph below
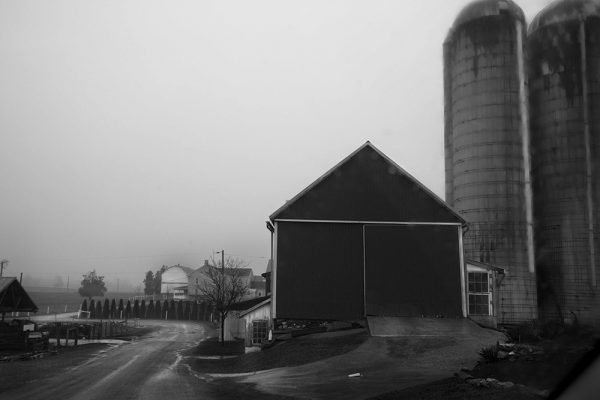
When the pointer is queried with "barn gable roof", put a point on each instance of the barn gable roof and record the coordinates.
(367, 186)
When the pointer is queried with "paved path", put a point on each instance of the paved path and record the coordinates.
(147, 369)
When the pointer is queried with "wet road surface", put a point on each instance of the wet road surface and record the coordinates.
(147, 369)
(155, 367)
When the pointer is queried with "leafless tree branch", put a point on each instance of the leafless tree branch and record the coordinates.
(224, 286)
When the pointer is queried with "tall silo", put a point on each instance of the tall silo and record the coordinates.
(564, 76)
(486, 146)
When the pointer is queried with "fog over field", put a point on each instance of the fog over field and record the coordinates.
(141, 133)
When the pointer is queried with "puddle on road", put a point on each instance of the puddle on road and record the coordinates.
(162, 375)
(97, 356)
(81, 342)
(213, 357)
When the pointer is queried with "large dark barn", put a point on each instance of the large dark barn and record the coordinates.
(367, 238)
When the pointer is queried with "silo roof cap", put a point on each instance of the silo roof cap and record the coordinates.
(487, 8)
(565, 10)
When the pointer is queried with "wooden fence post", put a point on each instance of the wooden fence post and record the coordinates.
(57, 334)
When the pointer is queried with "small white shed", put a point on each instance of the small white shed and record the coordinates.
(253, 325)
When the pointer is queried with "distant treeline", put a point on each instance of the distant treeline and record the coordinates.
(167, 309)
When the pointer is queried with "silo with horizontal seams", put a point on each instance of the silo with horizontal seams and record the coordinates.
(564, 76)
(486, 146)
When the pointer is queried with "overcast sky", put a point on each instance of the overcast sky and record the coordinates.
(140, 133)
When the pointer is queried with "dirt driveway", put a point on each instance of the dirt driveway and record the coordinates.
(385, 364)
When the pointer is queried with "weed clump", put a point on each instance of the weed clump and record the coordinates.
(489, 354)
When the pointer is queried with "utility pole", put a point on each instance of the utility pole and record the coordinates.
(2, 264)
(223, 261)
(221, 295)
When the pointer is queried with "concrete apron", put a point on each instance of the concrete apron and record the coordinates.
(422, 327)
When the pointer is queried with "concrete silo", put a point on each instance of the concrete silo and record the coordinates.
(564, 76)
(486, 147)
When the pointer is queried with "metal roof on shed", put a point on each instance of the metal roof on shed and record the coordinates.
(14, 298)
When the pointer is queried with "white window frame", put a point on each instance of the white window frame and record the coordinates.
(489, 293)
(266, 337)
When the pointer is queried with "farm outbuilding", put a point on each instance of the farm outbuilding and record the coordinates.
(13, 298)
(367, 238)
(249, 320)
(174, 282)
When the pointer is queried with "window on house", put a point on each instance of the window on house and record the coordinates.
(479, 293)
(259, 331)
(478, 282)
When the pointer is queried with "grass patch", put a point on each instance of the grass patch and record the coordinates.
(540, 371)
(455, 389)
(551, 356)
(489, 354)
(553, 353)
(213, 347)
(284, 354)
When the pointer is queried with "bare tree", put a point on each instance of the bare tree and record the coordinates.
(224, 287)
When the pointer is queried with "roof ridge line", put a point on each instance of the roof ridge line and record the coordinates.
(319, 179)
(403, 171)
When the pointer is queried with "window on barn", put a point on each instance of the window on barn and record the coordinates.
(479, 293)
(259, 331)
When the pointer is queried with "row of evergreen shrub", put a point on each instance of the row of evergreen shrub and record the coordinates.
(173, 310)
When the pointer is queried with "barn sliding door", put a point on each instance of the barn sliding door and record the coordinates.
(412, 270)
(319, 271)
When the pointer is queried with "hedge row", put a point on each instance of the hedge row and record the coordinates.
(173, 310)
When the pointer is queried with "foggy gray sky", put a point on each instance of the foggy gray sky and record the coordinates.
(140, 133)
